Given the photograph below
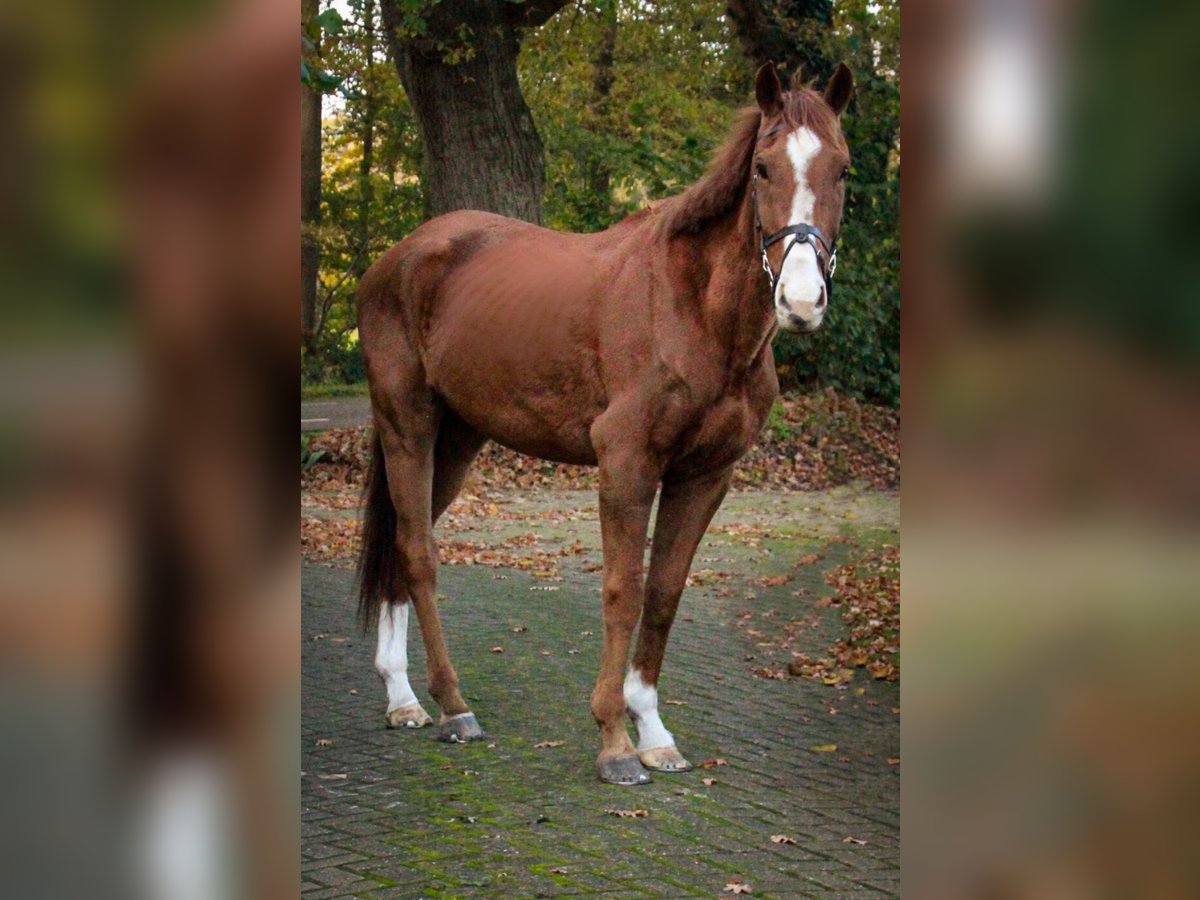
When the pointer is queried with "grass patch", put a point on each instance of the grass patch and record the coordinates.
(321, 391)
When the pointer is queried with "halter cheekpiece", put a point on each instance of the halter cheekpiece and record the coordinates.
(825, 249)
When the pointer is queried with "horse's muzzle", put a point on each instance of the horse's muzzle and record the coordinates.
(799, 323)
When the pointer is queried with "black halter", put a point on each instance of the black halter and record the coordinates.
(825, 249)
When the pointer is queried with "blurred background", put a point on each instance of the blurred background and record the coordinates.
(1050, 336)
(149, 586)
(148, 242)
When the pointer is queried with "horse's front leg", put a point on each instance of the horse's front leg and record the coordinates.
(684, 511)
(627, 487)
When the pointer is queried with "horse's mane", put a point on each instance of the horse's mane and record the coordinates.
(724, 183)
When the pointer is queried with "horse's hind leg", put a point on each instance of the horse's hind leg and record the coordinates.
(457, 444)
(409, 438)
(391, 662)
(684, 511)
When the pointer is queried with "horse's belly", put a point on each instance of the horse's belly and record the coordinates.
(539, 404)
(526, 428)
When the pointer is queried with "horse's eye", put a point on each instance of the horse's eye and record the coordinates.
(845, 171)
(761, 169)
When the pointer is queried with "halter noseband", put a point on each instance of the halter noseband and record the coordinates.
(825, 249)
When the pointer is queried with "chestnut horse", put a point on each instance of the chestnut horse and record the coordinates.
(644, 350)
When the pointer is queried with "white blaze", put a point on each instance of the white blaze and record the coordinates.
(641, 700)
(801, 282)
(391, 656)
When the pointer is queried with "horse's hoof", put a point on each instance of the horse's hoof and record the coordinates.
(460, 729)
(664, 759)
(624, 770)
(411, 716)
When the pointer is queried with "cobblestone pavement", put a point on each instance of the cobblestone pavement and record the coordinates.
(398, 814)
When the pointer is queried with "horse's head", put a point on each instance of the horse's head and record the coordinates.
(799, 183)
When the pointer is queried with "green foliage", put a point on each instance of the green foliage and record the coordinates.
(335, 358)
(328, 22)
(778, 425)
(676, 78)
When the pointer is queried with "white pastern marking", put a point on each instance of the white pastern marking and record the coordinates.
(800, 280)
(391, 656)
(641, 700)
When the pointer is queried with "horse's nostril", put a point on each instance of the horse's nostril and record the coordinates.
(797, 321)
(822, 300)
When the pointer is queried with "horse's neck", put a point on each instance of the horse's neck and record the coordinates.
(737, 300)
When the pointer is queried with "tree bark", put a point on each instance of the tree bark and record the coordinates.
(785, 32)
(366, 191)
(482, 149)
(310, 194)
(598, 169)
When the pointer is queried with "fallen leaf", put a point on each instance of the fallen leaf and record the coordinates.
(772, 580)
(627, 813)
(770, 674)
(808, 559)
(853, 840)
(823, 748)
(782, 839)
(893, 760)
(339, 776)
(736, 887)
(675, 702)
(708, 782)
(541, 744)
(559, 870)
(324, 742)
(518, 629)
(497, 649)
(712, 762)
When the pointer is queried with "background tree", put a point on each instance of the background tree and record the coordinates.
(314, 81)
(793, 34)
(457, 60)
(310, 181)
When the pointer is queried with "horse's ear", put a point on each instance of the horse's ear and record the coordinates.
(840, 89)
(768, 91)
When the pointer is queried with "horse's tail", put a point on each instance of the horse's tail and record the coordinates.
(377, 563)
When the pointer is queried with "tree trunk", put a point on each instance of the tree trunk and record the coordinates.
(482, 150)
(310, 195)
(366, 191)
(788, 33)
(598, 170)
